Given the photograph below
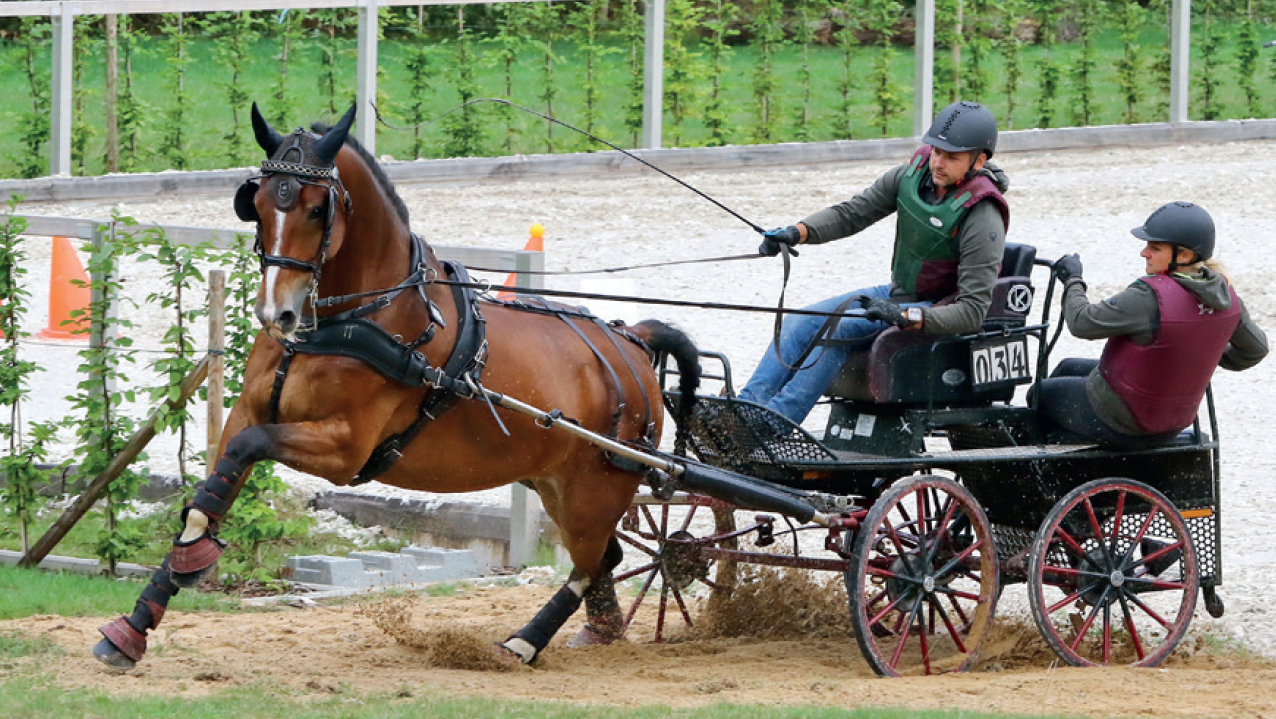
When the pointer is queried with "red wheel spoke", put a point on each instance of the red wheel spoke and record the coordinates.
(950, 592)
(635, 544)
(1129, 627)
(1116, 523)
(1063, 534)
(1065, 601)
(1159, 553)
(660, 614)
(877, 618)
(921, 637)
(642, 593)
(682, 606)
(903, 637)
(943, 572)
(635, 572)
(691, 513)
(1149, 611)
(952, 630)
(961, 613)
(1085, 628)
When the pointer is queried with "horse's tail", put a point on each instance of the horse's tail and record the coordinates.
(661, 337)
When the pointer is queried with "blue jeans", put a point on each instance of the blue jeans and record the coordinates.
(793, 391)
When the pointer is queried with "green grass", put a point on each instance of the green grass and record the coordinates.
(30, 697)
(210, 117)
(158, 530)
(24, 592)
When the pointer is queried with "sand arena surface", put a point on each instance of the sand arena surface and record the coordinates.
(1071, 201)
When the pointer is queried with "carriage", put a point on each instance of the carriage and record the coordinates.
(934, 490)
(930, 488)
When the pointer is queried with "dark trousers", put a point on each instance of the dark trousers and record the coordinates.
(1063, 404)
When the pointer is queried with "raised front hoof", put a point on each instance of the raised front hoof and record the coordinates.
(105, 652)
(121, 647)
(190, 561)
(588, 636)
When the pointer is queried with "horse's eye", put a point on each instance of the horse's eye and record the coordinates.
(317, 213)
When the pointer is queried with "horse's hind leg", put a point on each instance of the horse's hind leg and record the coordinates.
(604, 622)
(601, 604)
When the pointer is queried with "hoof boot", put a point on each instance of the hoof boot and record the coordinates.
(121, 646)
(588, 636)
(189, 561)
(105, 652)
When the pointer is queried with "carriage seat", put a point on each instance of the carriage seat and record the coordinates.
(893, 366)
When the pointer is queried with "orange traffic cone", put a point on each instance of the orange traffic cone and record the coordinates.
(536, 243)
(66, 297)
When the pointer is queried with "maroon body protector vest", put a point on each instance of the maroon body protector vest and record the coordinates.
(1162, 383)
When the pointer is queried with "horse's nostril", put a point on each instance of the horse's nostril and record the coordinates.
(287, 320)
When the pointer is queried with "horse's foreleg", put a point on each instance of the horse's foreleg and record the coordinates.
(196, 549)
(125, 638)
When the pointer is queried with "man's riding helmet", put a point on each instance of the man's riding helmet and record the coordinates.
(1182, 224)
(963, 126)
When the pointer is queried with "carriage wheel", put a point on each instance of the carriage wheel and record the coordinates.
(674, 560)
(1112, 575)
(923, 577)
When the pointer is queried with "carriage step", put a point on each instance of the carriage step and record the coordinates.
(413, 565)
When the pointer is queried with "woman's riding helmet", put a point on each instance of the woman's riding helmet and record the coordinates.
(1183, 224)
(963, 126)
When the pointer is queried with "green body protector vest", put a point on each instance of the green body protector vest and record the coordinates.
(925, 261)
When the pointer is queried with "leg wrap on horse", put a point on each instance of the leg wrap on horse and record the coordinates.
(128, 634)
(217, 492)
(546, 623)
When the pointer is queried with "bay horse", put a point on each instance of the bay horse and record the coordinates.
(348, 389)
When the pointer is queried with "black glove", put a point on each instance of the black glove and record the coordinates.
(772, 239)
(886, 311)
(1068, 269)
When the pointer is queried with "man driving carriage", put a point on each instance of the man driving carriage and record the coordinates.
(949, 240)
(1166, 333)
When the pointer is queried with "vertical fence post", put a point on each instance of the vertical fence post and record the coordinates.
(525, 505)
(365, 129)
(1180, 53)
(62, 91)
(217, 363)
(924, 72)
(653, 75)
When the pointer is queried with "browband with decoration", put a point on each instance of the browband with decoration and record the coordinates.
(294, 168)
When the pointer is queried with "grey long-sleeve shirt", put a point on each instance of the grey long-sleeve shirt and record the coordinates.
(1134, 312)
(981, 241)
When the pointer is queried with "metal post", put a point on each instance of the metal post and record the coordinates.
(63, 19)
(653, 69)
(216, 364)
(924, 72)
(365, 128)
(525, 505)
(1180, 53)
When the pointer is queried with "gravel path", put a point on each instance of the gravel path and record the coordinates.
(1071, 201)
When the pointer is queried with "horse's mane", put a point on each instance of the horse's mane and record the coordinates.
(400, 207)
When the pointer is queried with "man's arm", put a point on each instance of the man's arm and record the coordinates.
(981, 244)
(847, 218)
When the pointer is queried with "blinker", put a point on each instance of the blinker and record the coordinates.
(244, 205)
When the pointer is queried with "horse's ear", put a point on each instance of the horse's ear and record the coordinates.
(328, 145)
(244, 205)
(267, 137)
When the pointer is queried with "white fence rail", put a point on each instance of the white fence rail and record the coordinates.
(63, 14)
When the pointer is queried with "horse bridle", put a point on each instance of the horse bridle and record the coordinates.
(304, 174)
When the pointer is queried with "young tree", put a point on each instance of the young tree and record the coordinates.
(1212, 60)
(1088, 17)
(1012, 53)
(684, 67)
(462, 129)
(1247, 60)
(886, 96)
(1046, 12)
(847, 86)
(719, 23)
(173, 137)
(1130, 64)
(288, 32)
(767, 25)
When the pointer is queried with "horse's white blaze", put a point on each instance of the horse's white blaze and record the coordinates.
(272, 273)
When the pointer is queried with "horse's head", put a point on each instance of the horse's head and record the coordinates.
(301, 209)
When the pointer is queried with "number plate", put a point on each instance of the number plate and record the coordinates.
(998, 361)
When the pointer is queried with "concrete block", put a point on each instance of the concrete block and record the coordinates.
(387, 567)
(454, 563)
(336, 571)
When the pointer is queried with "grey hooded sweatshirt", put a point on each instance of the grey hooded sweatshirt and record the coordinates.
(1135, 312)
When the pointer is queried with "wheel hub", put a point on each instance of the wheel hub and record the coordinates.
(681, 561)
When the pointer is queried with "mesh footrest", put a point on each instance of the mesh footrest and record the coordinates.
(749, 438)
